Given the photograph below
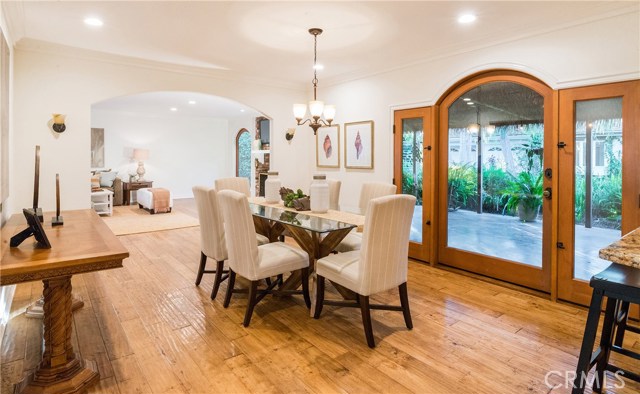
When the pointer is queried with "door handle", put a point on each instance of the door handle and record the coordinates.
(547, 193)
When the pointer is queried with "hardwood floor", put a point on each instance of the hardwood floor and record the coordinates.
(151, 330)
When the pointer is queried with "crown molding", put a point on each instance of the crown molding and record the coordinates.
(48, 48)
(358, 75)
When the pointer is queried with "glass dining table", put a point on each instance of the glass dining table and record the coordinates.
(316, 234)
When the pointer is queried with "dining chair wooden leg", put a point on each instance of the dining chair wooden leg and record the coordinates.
(305, 286)
(203, 262)
(319, 296)
(251, 302)
(217, 279)
(366, 319)
(230, 284)
(281, 279)
(404, 301)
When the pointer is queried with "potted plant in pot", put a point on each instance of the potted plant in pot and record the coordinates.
(524, 194)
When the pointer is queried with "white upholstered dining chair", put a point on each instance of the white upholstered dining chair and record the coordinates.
(256, 262)
(239, 184)
(381, 264)
(212, 237)
(369, 191)
(334, 194)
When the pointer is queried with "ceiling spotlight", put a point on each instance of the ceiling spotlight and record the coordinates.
(469, 102)
(91, 21)
(466, 18)
(242, 110)
(466, 99)
(318, 67)
(192, 102)
(173, 109)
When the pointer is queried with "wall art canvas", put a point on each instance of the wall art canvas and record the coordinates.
(328, 147)
(358, 145)
(97, 148)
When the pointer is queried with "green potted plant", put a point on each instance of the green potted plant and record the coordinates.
(524, 194)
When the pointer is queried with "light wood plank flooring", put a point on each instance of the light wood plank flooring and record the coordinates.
(150, 330)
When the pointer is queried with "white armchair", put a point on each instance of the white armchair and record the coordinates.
(256, 262)
(212, 237)
(381, 264)
(369, 191)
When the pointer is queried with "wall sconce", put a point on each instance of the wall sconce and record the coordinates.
(289, 134)
(58, 123)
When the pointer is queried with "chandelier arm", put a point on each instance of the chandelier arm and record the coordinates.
(300, 122)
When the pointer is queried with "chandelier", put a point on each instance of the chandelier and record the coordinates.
(316, 107)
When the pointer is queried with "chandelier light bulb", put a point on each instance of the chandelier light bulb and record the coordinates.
(299, 110)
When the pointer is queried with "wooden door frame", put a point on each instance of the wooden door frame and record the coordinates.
(579, 291)
(521, 274)
(426, 250)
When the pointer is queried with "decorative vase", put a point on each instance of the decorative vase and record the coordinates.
(272, 188)
(319, 194)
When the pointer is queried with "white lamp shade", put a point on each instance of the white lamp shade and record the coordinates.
(473, 128)
(329, 112)
(316, 108)
(299, 110)
(490, 129)
(140, 154)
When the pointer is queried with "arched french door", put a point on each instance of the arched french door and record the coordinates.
(496, 133)
(243, 154)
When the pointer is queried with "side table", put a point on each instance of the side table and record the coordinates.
(102, 202)
(128, 187)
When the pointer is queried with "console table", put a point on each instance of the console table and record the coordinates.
(128, 187)
(83, 244)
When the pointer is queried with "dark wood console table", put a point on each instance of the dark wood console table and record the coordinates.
(128, 187)
(83, 244)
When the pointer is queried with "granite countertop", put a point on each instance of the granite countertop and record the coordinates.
(625, 251)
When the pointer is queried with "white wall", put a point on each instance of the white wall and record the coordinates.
(52, 79)
(184, 151)
(592, 53)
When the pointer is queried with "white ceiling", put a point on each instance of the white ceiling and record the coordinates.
(160, 103)
(269, 40)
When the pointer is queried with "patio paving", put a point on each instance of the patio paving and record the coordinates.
(508, 238)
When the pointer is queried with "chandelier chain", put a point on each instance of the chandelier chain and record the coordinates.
(315, 69)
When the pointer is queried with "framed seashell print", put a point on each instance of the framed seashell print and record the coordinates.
(358, 145)
(328, 147)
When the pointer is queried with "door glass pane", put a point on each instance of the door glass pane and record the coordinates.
(598, 182)
(496, 134)
(412, 135)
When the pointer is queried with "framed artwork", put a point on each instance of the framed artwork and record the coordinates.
(358, 145)
(328, 147)
(97, 148)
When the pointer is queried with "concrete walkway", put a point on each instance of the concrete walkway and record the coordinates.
(508, 238)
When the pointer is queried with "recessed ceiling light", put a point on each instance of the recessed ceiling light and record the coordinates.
(466, 99)
(466, 18)
(242, 110)
(91, 21)
(469, 102)
(192, 102)
(173, 109)
(318, 67)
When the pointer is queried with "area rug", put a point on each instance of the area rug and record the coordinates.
(132, 220)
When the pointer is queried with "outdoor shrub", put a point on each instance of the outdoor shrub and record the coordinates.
(462, 186)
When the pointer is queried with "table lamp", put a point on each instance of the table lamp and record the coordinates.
(140, 155)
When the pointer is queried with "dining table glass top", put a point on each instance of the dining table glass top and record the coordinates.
(298, 219)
